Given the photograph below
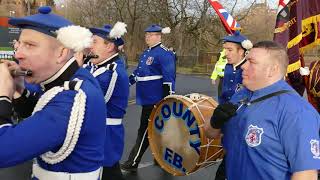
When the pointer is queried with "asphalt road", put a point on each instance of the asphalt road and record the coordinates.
(186, 84)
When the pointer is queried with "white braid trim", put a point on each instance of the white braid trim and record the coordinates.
(99, 71)
(46, 97)
(112, 84)
(74, 126)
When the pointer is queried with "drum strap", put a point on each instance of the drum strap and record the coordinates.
(248, 103)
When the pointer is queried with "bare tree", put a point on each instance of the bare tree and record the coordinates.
(195, 26)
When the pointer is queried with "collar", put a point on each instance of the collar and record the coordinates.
(157, 44)
(109, 60)
(237, 66)
(64, 74)
(277, 86)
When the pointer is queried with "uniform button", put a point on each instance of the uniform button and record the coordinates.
(231, 80)
(144, 55)
(139, 67)
(234, 72)
(228, 97)
(141, 61)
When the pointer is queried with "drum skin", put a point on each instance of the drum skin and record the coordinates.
(176, 134)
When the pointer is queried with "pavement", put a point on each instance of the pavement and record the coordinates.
(186, 84)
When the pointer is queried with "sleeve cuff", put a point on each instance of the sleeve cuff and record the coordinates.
(5, 108)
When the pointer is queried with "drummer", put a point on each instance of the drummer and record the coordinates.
(270, 132)
(155, 78)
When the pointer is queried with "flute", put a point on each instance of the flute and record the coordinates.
(89, 56)
(16, 73)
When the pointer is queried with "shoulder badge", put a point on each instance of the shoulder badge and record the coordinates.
(254, 136)
(315, 148)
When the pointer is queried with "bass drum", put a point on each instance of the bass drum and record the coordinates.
(176, 134)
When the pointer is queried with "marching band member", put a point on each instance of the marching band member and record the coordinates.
(269, 131)
(235, 46)
(155, 79)
(109, 69)
(65, 132)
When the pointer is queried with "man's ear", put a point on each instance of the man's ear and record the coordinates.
(241, 52)
(62, 55)
(111, 47)
(274, 69)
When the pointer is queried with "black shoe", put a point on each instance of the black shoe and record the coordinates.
(127, 166)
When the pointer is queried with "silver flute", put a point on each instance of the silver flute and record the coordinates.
(16, 73)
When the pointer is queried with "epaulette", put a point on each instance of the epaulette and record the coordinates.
(112, 66)
(164, 47)
(72, 85)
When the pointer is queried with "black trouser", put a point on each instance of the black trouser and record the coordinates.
(142, 142)
(112, 173)
(220, 86)
(221, 172)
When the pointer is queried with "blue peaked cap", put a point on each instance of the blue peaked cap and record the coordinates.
(235, 38)
(104, 34)
(101, 32)
(153, 28)
(44, 21)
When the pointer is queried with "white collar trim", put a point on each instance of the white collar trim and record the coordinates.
(155, 45)
(104, 61)
(58, 74)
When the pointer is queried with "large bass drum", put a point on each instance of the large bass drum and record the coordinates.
(176, 134)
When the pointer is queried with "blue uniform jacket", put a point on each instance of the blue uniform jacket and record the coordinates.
(273, 138)
(232, 82)
(46, 129)
(114, 82)
(156, 67)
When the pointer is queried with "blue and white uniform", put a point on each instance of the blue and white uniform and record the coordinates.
(156, 68)
(232, 81)
(65, 131)
(114, 82)
(155, 79)
(273, 138)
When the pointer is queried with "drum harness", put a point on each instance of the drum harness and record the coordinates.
(248, 103)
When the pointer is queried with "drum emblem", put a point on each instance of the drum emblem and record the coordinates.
(253, 136)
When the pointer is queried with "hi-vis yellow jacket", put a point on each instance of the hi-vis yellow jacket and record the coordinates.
(218, 70)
